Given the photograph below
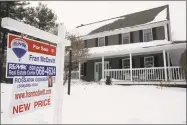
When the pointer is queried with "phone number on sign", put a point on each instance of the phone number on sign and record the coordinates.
(16, 69)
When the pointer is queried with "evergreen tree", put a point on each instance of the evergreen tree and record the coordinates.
(41, 17)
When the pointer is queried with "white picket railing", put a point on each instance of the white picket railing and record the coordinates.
(146, 74)
(175, 73)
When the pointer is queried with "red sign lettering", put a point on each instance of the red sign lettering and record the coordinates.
(42, 103)
(21, 108)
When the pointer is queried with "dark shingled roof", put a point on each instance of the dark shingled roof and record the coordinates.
(133, 19)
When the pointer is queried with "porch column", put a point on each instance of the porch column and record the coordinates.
(165, 70)
(103, 64)
(165, 31)
(79, 70)
(131, 65)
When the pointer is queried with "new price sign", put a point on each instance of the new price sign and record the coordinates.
(32, 65)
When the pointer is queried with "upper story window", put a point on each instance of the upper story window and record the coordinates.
(149, 61)
(147, 35)
(101, 41)
(126, 63)
(126, 38)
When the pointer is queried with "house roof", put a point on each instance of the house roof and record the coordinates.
(143, 17)
(133, 19)
(134, 48)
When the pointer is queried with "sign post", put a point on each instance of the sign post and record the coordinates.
(36, 69)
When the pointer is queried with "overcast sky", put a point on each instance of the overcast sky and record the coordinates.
(74, 13)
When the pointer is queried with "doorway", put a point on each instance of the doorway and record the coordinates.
(98, 70)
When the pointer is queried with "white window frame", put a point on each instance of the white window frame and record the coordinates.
(149, 57)
(123, 63)
(123, 35)
(151, 33)
(99, 41)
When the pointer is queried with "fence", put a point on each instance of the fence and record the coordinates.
(146, 74)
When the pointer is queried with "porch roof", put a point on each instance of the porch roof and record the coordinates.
(134, 48)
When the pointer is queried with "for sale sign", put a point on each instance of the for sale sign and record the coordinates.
(32, 65)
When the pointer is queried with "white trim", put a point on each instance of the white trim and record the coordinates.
(170, 36)
(122, 37)
(166, 31)
(125, 30)
(149, 57)
(151, 34)
(98, 41)
(123, 62)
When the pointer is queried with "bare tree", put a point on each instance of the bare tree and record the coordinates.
(79, 54)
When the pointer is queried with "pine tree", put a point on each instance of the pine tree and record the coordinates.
(41, 17)
(15, 10)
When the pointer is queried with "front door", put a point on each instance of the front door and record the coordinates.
(98, 70)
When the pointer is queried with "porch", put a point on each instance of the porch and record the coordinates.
(156, 66)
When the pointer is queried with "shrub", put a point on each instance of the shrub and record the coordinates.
(108, 80)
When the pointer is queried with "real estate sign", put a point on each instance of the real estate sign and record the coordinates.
(32, 65)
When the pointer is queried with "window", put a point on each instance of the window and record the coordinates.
(147, 35)
(149, 61)
(101, 41)
(82, 69)
(126, 63)
(126, 38)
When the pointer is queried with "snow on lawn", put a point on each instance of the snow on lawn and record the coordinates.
(92, 104)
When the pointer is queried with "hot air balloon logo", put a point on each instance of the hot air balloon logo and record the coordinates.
(19, 47)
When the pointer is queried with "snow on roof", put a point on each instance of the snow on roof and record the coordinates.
(114, 50)
(160, 17)
(85, 30)
(143, 17)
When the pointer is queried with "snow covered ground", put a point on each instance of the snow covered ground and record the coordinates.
(94, 104)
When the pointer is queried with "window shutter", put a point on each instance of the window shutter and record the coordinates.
(154, 33)
(133, 63)
(96, 42)
(85, 69)
(156, 61)
(82, 69)
(170, 62)
(131, 37)
(141, 35)
(142, 62)
(168, 32)
(120, 63)
(85, 43)
(106, 40)
(120, 39)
